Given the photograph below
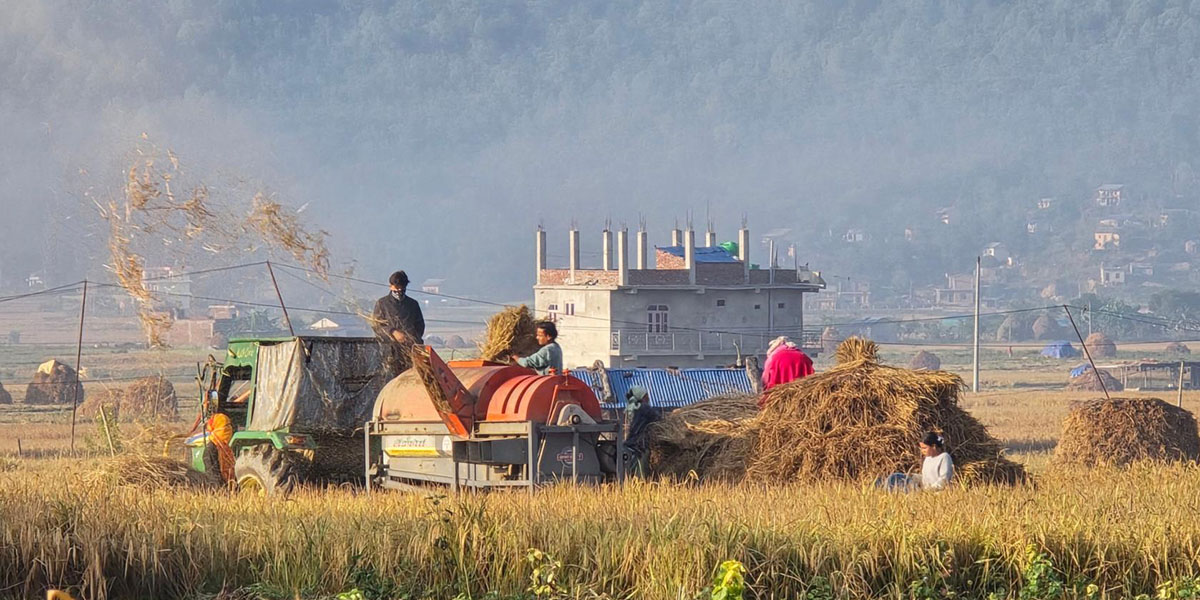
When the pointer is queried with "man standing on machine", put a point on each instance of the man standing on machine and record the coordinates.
(399, 325)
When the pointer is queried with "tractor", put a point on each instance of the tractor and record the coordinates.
(297, 405)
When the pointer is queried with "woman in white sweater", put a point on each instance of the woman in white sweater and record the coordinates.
(938, 468)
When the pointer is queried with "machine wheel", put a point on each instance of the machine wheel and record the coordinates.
(267, 471)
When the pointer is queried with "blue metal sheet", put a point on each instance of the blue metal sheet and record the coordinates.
(668, 388)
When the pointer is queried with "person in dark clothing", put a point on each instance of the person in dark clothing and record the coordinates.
(637, 439)
(399, 325)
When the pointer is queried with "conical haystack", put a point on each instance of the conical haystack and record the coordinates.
(1124, 430)
(5, 397)
(1047, 328)
(1014, 328)
(1100, 346)
(926, 361)
(509, 331)
(862, 420)
(54, 383)
(1177, 349)
(830, 338)
(711, 438)
(1090, 382)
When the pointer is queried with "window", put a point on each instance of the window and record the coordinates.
(570, 308)
(656, 319)
(552, 312)
(757, 307)
(721, 302)
(781, 305)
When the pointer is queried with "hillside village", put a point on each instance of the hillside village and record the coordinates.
(1114, 243)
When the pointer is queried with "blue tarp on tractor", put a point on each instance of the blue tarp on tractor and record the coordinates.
(1060, 349)
(668, 388)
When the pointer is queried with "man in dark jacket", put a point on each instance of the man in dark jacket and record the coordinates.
(399, 325)
(640, 416)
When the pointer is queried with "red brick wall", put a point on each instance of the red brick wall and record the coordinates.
(582, 276)
(666, 260)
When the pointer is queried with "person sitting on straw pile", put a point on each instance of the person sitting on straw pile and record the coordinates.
(399, 325)
(218, 456)
(637, 438)
(785, 363)
(937, 468)
(548, 359)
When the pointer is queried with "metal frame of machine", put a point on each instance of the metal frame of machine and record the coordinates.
(480, 425)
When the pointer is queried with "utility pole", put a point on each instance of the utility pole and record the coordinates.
(975, 379)
(78, 358)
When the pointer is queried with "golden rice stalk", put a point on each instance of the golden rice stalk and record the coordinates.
(857, 349)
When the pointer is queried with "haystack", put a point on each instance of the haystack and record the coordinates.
(144, 470)
(1014, 328)
(1090, 380)
(5, 397)
(925, 361)
(54, 383)
(510, 331)
(1046, 328)
(148, 398)
(862, 420)
(1100, 346)
(711, 438)
(1177, 349)
(1123, 430)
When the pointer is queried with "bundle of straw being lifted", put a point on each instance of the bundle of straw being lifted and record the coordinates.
(710, 439)
(510, 331)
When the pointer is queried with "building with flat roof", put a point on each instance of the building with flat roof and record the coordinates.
(695, 306)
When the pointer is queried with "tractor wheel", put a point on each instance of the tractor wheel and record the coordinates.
(267, 471)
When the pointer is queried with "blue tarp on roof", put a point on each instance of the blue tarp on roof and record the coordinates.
(1060, 349)
(704, 254)
(1080, 370)
(669, 388)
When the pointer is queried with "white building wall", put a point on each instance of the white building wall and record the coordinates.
(584, 336)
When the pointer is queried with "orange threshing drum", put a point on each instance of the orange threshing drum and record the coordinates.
(538, 398)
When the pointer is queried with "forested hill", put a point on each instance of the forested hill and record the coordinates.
(437, 135)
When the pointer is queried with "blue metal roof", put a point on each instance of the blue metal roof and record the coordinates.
(704, 254)
(669, 388)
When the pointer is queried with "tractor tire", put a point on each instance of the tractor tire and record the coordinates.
(268, 471)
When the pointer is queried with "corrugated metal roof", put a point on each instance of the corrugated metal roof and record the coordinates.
(669, 388)
(704, 254)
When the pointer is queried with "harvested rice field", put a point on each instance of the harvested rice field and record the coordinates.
(138, 526)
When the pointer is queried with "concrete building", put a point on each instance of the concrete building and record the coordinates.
(695, 306)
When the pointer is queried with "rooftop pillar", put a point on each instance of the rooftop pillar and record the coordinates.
(642, 262)
(689, 254)
(540, 245)
(623, 257)
(744, 252)
(573, 251)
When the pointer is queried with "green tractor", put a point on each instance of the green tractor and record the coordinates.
(297, 406)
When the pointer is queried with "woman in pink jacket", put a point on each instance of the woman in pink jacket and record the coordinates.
(785, 363)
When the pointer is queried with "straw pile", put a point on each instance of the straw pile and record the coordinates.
(510, 331)
(5, 397)
(1046, 328)
(144, 470)
(1123, 430)
(1014, 328)
(862, 420)
(925, 361)
(1177, 349)
(54, 383)
(1090, 382)
(148, 398)
(1100, 346)
(711, 439)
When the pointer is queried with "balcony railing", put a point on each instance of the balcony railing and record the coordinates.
(628, 341)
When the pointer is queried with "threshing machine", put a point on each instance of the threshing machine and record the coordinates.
(481, 424)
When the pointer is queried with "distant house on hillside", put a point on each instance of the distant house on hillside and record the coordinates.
(1111, 276)
(947, 215)
(854, 236)
(959, 291)
(1106, 237)
(998, 251)
(1045, 203)
(1191, 247)
(1110, 195)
